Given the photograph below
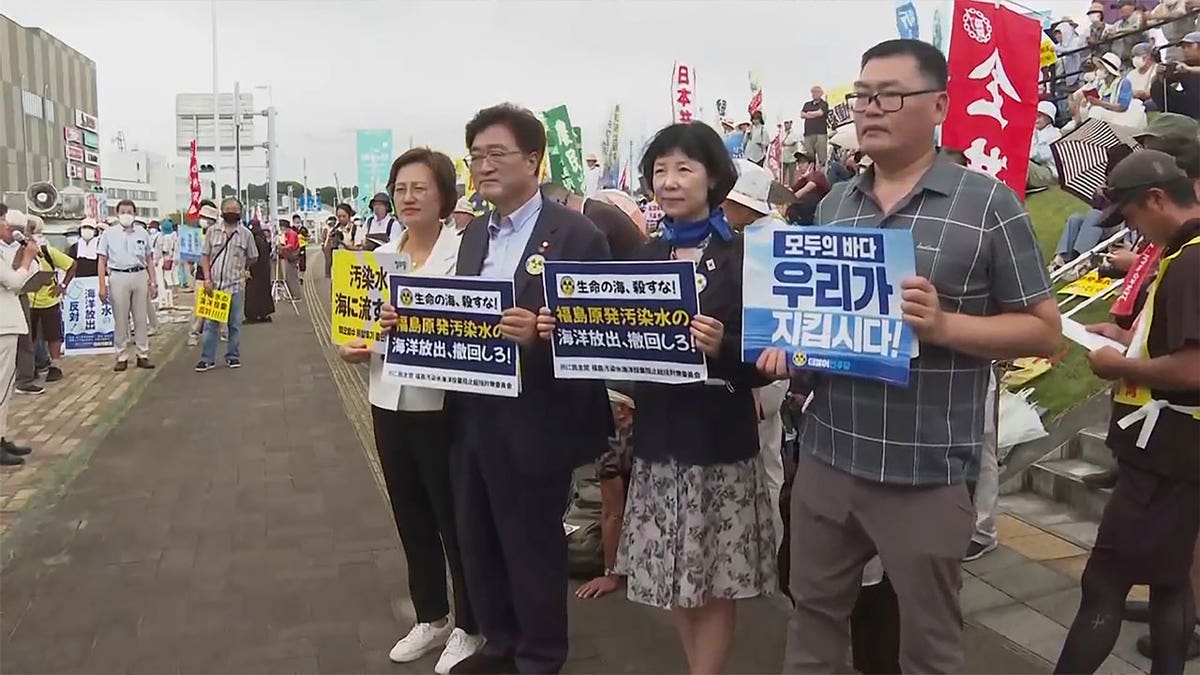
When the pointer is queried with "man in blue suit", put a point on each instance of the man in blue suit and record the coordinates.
(513, 457)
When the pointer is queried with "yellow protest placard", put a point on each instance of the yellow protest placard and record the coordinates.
(213, 305)
(359, 291)
(1087, 286)
(1047, 57)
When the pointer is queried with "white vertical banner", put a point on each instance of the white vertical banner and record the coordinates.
(88, 324)
(683, 92)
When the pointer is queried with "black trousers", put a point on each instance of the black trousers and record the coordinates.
(515, 552)
(414, 453)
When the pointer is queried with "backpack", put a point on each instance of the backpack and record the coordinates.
(585, 549)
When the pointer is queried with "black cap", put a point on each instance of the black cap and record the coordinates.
(1142, 169)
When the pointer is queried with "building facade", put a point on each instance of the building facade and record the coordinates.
(193, 121)
(49, 129)
(144, 177)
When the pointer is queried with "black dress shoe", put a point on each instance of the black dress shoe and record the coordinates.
(485, 664)
(9, 459)
(1193, 650)
(14, 449)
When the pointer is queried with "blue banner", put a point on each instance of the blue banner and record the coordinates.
(448, 335)
(830, 297)
(191, 243)
(906, 20)
(625, 320)
(88, 324)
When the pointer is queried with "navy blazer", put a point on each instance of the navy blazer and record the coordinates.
(704, 424)
(553, 424)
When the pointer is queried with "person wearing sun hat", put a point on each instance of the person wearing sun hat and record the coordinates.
(1116, 104)
(464, 212)
(1042, 172)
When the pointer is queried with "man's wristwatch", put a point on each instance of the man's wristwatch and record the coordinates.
(610, 572)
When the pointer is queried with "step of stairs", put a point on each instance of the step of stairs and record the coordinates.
(1051, 493)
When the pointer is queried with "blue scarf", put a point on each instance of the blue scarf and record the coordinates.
(691, 235)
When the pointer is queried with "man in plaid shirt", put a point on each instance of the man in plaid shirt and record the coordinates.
(883, 468)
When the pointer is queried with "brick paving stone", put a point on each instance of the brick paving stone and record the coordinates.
(62, 419)
(233, 523)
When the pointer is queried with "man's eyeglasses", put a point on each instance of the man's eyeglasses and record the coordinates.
(493, 157)
(888, 101)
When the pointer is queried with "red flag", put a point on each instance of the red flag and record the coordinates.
(1135, 280)
(993, 89)
(755, 101)
(625, 177)
(194, 180)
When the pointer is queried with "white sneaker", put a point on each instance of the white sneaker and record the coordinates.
(193, 340)
(458, 647)
(422, 639)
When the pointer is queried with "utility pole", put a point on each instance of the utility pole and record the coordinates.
(304, 177)
(216, 102)
(272, 163)
(237, 139)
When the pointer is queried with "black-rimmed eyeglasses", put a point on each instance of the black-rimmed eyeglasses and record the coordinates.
(888, 101)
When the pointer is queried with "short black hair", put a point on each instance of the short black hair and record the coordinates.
(3, 209)
(1185, 150)
(930, 60)
(345, 207)
(207, 202)
(126, 202)
(445, 177)
(700, 142)
(525, 126)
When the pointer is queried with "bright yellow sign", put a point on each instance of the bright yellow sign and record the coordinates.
(213, 305)
(359, 291)
(1047, 56)
(1087, 286)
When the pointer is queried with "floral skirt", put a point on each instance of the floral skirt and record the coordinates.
(695, 533)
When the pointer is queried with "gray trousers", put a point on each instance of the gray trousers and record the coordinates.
(839, 522)
(26, 351)
(129, 293)
(987, 487)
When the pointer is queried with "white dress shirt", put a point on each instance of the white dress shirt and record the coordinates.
(508, 237)
(388, 393)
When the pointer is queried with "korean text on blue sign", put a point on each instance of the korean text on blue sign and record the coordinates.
(448, 335)
(89, 326)
(624, 320)
(830, 297)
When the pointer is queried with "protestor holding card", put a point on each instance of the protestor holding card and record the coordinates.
(1149, 529)
(513, 458)
(412, 427)
(697, 533)
(884, 467)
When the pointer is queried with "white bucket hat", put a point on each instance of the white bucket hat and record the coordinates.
(1111, 63)
(752, 187)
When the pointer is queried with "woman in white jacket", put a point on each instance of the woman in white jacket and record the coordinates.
(17, 265)
(412, 434)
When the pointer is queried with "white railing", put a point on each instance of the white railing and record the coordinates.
(1087, 255)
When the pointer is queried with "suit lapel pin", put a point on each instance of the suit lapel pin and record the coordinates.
(534, 264)
(542, 249)
(710, 264)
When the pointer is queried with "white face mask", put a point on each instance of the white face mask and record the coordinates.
(205, 222)
(126, 219)
(1139, 61)
(1089, 76)
(86, 233)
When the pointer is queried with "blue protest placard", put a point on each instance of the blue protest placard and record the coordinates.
(624, 320)
(191, 243)
(88, 324)
(448, 335)
(830, 297)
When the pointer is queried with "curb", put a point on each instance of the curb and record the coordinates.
(58, 478)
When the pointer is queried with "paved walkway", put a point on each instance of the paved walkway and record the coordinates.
(232, 523)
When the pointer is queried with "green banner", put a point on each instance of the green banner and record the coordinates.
(563, 147)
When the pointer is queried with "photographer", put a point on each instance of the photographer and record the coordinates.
(1176, 88)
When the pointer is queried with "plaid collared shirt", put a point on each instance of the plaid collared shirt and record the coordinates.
(230, 262)
(975, 243)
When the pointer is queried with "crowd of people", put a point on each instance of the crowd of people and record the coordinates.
(864, 519)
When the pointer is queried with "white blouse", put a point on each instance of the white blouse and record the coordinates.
(387, 393)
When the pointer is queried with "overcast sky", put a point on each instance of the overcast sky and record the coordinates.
(422, 68)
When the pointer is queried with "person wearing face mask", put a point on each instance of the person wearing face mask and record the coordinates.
(156, 262)
(207, 218)
(127, 280)
(17, 264)
(1042, 172)
(83, 251)
(229, 250)
(1144, 68)
(45, 303)
(1115, 103)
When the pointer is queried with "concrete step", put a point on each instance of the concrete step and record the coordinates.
(1061, 480)
(1089, 445)
(1051, 516)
